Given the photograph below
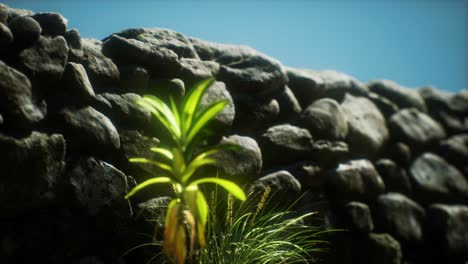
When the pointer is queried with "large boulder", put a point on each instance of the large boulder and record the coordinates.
(52, 24)
(16, 103)
(358, 217)
(25, 30)
(254, 114)
(4, 13)
(75, 83)
(339, 84)
(329, 153)
(455, 151)
(381, 249)
(368, 131)
(435, 180)
(325, 119)
(282, 184)
(6, 38)
(396, 178)
(415, 128)
(403, 97)
(459, 102)
(306, 85)
(289, 106)
(401, 217)
(31, 168)
(217, 92)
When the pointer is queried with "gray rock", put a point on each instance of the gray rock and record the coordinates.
(403, 97)
(253, 113)
(455, 151)
(395, 177)
(435, 180)
(307, 85)
(283, 186)
(400, 153)
(193, 70)
(98, 187)
(45, 60)
(308, 173)
(358, 217)
(87, 130)
(162, 38)
(356, 180)
(52, 24)
(449, 229)
(76, 83)
(4, 13)
(435, 100)
(339, 84)
(401, 217)
(386, 107)
(75, 45)
(134, 78)
(282, 144)
(459, 102)
(452, 123)
(217, 92)
(16, 103)
(415, 128)
(25, 30)
(289, 106)
(18, 12)
(160, 61)
(325, 119)
(6, 38)
(329, 153)
(368, 131)
(166, 88)
(31, 168)
(242, 165)
(382, 249)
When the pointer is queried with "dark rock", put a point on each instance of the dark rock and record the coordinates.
(283, 186)
(329, 153)
(86, 130)
(435, 100)
(217, 92)
(254, 113)
(194, 70)
(102, 71)
(356, 180)
(459, 102)
(25, 30)
(166, 88)
(45, 60)
(52, 24)
(400, 153)
(358, 217)
(242, 165)
(309, 174)
(455, 150)
(75, 45)
(339, 84)
(282, 144)
(18, 12)
(307, 85)
(453, 124)
(449, 230)
(381, 249)
(4, 13)
(386, 107)
(159, 61)
(6, 38)
(31, 168)
(435, 180)
(401, 217)
(98, 187)
(368, 131)
(133, 78)
(395, 178)
(403, 97)
(325, 119)
(75, 82)
(415, 128)
(16, 103)
(289, 106)
(162, 38)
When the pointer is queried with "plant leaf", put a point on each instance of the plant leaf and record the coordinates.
(148, 182)
(164, 113)
(194, 165)
(230, 186)
(191, 102)
(204, 117)
(158, 164)
(165, 152)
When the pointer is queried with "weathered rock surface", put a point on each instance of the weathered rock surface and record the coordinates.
(455, 151)
(307, 85)
(401, 96)
(217, 92)
(6, 38)
(396, 178)
(52, 24)
(283, 186)
(25, 30)
(358, 217)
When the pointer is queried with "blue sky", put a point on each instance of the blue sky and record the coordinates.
(413, 42)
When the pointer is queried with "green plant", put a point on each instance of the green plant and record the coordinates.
(178, 162)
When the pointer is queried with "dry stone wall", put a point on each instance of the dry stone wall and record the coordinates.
(387, 163)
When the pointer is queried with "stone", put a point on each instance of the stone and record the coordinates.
(253, 113)
(358, 217)
(435, 100)
(339, 84)
(401, 217)
(98, 187)
(452, 123)
(403, 97)
(289, 106)
(159, 61)
(386, 107)
(449, 229)
(434, 180)
(368, 132)
(329, 153)
(309, 174)
(282, 144)
(382, 249)
(459, 102)
(45, 60)
(88, 131)
(31, 169)
(224, 119)
(6, 38)
(242, 165)
(166, 88)
(195, 70)
(396, 178)
(356, 180)
(415, 128)
(325, 119)
(284, 186)
(133, 78)
(25, 30)
(75, 45)
(162, 38)
(18, 12)
(307, 85)
(243, 69)
(4, 13)
(75, 82)
(16, 104)
(400, 153)
(52, 24)
(455, 151)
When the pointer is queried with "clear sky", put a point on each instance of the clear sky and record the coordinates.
(413, 42)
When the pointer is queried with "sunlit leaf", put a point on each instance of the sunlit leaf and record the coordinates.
(231, 187)
(166, 113)
(165, 152)
(191, 102)
(158, 164)
(148, 182)
(194, 165)
(208, 113)
(178, 163)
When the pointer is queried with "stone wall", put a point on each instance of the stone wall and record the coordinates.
(387, 163)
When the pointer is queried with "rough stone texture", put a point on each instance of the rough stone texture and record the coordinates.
(325, 119)
(415, 128)
(455, 151)
(382, 249)
(25, 30)
(307, 85)
(283, 186)
(403, 97)
(133, 78)
(254, 114)
(339, 84)
(193, 70)
(75, 82)
(356, 180)
(368, 131)
(283, 144)
(358, 217)
(289, 106)
(52, 24)
(308, 173)
(31, 168)
(386, 107)
(329, 153)
(216, 92)
(401, 217)
(395, 178)
(435, 180)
